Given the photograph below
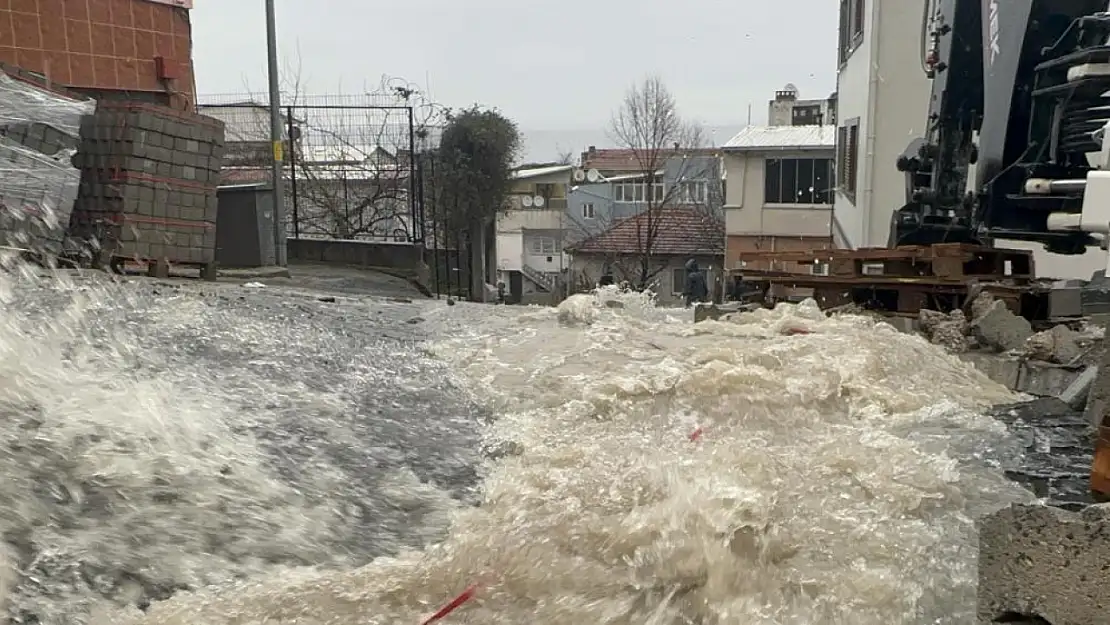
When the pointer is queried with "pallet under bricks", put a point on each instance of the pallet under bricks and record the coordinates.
(149, 181)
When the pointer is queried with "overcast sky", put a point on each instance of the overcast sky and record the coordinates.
(554, 67)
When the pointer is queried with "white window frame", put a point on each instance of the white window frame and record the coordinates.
(542, 246)
(589, 211)
(693, 192)
(636, 192)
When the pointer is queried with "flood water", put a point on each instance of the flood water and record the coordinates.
(272, 458)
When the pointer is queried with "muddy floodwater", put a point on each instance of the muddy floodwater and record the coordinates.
(195, 454)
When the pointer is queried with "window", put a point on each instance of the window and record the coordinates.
(852, 15)
(678, 281)
(636, 192)
(847, 158)
(692, 192)
(542, 246)
(588, 211)
(798, 181)
(806, 115)
(545, 189)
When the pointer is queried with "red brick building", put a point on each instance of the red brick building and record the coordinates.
(138, 49)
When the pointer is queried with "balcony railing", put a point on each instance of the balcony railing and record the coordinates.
(555, 203)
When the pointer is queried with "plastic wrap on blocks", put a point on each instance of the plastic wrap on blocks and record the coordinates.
(37, 193)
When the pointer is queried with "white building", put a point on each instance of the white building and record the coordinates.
(882, 105)
(530, 234)
(779, 189)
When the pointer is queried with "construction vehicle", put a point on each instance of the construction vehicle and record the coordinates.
(1017, 142)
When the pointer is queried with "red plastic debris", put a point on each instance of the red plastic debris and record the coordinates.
(463, 597)
(793, 331)
(696, 434)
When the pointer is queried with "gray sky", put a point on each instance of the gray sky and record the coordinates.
(557, 68)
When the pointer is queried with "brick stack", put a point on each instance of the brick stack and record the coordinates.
(148, 186)
(38, 183)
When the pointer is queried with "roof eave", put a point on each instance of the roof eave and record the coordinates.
(777, 148)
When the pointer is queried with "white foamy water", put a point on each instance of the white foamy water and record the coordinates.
(156, 439)
(784, 468)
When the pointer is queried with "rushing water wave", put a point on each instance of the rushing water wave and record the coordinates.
(782, 467)
(159, 438)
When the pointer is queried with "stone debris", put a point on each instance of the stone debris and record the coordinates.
(1059, 344)
(998, 329)
(947, 330)
(1044, 564)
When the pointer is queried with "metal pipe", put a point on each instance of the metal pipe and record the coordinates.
(1045, 186)
(293, 175)
(278, 152)
(1073, 222)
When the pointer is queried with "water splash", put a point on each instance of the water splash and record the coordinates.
(836, 478)
(157, 439)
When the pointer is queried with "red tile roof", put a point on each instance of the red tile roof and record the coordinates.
(625, 160)
(679, 231)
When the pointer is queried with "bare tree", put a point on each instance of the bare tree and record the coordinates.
(351, 160)
(566, 157)
(664, 148)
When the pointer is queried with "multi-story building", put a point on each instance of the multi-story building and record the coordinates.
(882, 102)
(109, 49)
(779, 194)
(531, 234)
(611, 185)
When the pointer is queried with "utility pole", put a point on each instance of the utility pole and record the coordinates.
(276, 131)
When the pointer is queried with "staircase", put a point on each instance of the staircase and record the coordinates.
(542, 280)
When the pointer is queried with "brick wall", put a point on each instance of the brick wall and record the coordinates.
(100, 45)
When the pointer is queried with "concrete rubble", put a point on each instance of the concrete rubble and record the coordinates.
(1040, 562)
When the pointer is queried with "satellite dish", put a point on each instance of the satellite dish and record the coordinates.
(593, 175)
(538, 201)
(579, 175)
(526, 201)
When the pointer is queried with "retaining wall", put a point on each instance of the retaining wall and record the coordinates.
(403, 258)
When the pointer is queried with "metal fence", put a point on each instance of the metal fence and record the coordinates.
(357, 167)
(349, 162)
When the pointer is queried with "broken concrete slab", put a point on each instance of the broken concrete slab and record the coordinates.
(999, 329)
(1076, 394)
(1040, 562)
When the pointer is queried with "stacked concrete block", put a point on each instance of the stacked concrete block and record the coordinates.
(38, 182)
(149, 178)
(1040, 564)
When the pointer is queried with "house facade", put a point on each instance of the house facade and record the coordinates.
(788, 110)
(531, 235)
(602, 197)
(882, 104)
(651, 249)
(779, 191)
